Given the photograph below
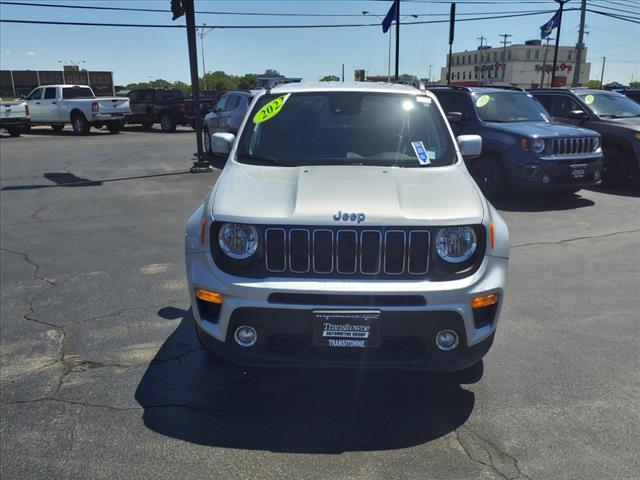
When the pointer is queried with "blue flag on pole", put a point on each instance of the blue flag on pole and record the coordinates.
(547, 28)
(391, 16)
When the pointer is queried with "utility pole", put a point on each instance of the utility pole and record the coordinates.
(343, 72)
(580, 46)
(482, 39)
(544, 62)
(555, 51)
(505, 42)
(604, 59)
(431, 66)
(397, 39)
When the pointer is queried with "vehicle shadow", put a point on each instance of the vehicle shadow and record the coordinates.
(624, 191)
(157, 129)
(45, 131)
(188, 396)
(542, 202)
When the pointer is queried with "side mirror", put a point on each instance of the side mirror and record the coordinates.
(578, 115)
(455, 117)
(470, 146)
(23, 97)
(222, 143)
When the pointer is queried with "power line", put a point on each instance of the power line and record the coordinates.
(263, 14)
(621, 3)
(247, 27)
(608, 7)
(616, 16)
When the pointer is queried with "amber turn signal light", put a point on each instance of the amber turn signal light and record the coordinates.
(207, 296)
(484, 300)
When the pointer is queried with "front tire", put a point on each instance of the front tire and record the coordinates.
(80, 124)
(206, 139)
(167, 123)
(490, 177)
(615, 171)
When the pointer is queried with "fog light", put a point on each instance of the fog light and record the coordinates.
(546, 178)
(447, 340)
(245, 336)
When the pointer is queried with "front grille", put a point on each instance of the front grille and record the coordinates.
(573, 146)
(365, 252)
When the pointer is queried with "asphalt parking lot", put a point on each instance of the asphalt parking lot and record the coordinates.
(102, 376)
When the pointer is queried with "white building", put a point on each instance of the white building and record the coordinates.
(522, 67)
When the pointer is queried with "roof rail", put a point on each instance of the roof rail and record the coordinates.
(506, 87)
(453, 87)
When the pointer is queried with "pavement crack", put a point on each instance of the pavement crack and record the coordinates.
(576, 239)
(34, 216)
(478, 449)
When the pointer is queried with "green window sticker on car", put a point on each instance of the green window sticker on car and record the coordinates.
(271, 109)
(589, 99)
(482, 101)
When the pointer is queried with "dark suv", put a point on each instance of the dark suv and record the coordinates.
(611, 114)
(520, 145)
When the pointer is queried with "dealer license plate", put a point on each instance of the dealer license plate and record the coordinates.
(578, 172)
(346, 328)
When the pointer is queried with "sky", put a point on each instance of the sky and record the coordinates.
(141, 54)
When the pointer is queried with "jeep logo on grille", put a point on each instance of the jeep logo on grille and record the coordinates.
(349, 217)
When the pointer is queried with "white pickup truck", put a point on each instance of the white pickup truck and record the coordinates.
(14, 117)
(56, 105)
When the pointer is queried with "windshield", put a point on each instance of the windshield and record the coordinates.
(77, 92)
(611, 105)
(346, 128)
(509, 107)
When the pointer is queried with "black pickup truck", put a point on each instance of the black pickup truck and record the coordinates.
(166, 106)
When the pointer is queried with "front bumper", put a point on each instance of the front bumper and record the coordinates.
(280, 311)
(554, 173)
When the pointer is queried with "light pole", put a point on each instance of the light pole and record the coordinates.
(429, 79)
(62, 69)
(364, 12)
(555, 51)
(604, 59)
(203, 32)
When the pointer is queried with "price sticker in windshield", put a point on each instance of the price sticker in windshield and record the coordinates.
(482, 101)
(422, 154)
(271, 109)
(589, 99)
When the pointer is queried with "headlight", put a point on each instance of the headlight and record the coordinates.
(637, 136)
(456, 244)
(596, 143)
(238, 241)
(538, 145)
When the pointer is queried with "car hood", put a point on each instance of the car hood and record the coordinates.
(313, 195)
(632, 123)
(543, 130)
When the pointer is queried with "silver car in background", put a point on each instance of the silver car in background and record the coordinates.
(227, 115)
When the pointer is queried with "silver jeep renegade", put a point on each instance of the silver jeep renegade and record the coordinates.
(345, 230)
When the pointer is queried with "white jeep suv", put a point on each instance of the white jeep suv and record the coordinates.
(345, 230)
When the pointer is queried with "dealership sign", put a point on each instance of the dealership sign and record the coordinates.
(549, 67)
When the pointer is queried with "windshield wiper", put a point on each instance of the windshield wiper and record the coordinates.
(261, 158)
